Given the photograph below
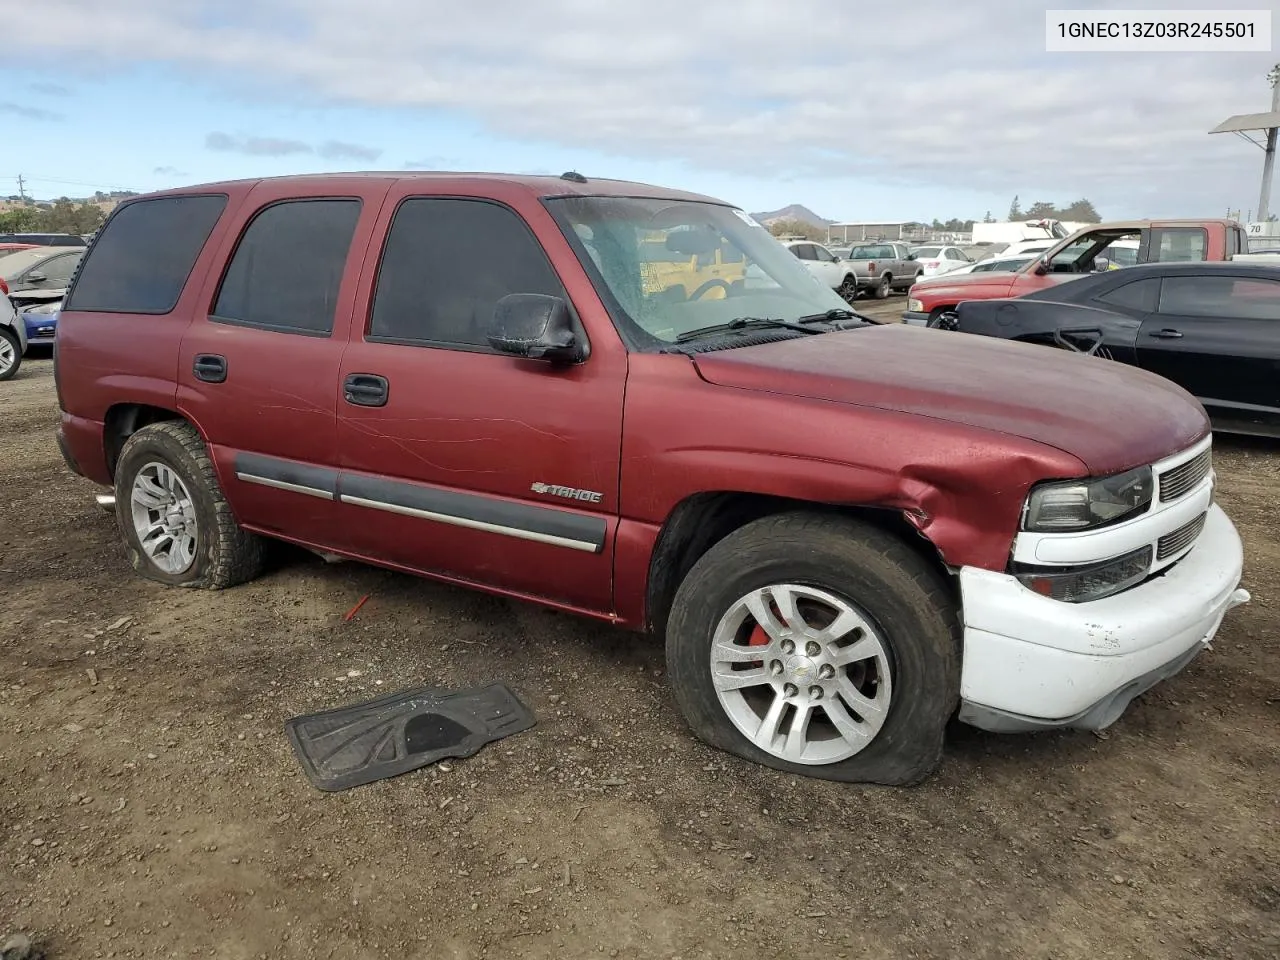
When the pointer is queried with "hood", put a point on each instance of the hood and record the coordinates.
(1110, 416)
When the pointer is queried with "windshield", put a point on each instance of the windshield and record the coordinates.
(15, 263)
(674, 266)
(872, 253)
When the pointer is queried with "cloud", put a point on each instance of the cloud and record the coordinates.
(49, 89)
(338, 150)
(169, 172)
(255, 146)
(743, 87)
(29, 113)
(278, 147)
(432, 162)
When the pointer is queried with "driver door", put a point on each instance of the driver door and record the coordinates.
(459, 461)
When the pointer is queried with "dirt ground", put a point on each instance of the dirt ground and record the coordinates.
(150, 805)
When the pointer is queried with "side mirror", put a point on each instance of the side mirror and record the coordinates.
(36, 277)
(1042, 266)
(911, 256)
(535, 327)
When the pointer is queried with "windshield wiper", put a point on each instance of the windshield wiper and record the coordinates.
(834, 316)
(743, 323)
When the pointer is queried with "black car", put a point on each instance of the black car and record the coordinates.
(1211, 328)
(45, 239)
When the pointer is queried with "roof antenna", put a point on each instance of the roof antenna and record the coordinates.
(573, 176)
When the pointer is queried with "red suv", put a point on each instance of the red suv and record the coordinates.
(844, 532)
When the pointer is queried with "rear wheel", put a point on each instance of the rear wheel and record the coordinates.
(817, 645)
(10, 354)
(176, 524)
(884, 287)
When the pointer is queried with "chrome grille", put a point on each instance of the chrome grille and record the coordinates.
(1180, 539)
(1185, 477)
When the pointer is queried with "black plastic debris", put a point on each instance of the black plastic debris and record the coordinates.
(400, 732)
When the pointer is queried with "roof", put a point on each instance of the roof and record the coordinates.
(1248, 121)
(1163, 268)
(540, 186)
(1139, 224)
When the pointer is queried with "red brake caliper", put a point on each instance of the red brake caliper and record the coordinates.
(758, 638)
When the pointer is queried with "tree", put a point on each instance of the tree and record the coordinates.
(1082, 211)
(988, 218)
(20, 220)
(1040, 210)
(1015, 209)
(797, 228)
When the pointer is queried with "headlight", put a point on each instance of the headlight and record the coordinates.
(916, 306)
(1061, 507)
(1092, 582)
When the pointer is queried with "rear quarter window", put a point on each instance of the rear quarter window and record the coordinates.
(142, 258)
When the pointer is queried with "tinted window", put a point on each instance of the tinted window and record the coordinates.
(288, 266)
(1139, 295)
(1236, 297)
(140, 261)
(446, 265)
(804, 251)
(1178, 244)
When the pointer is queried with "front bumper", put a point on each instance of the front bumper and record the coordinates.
(917, 319)
(1035, 663)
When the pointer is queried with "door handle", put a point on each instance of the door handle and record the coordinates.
(366, 390)
(210, 368)
(1167, 334)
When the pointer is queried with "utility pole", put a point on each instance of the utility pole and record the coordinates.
(1268, 164)
(22, 189)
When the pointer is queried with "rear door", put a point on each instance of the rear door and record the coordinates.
(259, 364)
(459, 461)
(1218, 337)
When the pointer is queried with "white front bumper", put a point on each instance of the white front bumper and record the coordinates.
(1032, 662)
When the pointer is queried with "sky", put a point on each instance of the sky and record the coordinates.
(917, 110)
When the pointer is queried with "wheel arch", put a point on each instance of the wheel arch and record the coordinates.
(123, 420)
(702, 520)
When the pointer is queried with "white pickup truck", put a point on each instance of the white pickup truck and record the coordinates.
(879, 268)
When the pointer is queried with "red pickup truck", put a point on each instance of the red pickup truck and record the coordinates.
(845, 533)
(1158, 240)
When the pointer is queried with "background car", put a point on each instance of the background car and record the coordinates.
(38, 275)
(41, 323)
(937, 260)
(13, 339)
(1211, 328)
(826, 266)
(45, 239)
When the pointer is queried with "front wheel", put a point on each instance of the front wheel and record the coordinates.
(176, 524)
(848, 289)
(10, 354)
(818, 645)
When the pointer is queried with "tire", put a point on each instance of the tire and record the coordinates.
(10, 354)
(883, 287)
(211, 551)
(848, 289)
(935, 315)
(910, 619)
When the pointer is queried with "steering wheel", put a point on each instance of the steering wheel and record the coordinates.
(709, 285)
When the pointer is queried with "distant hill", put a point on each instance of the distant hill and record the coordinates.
(795, 211)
